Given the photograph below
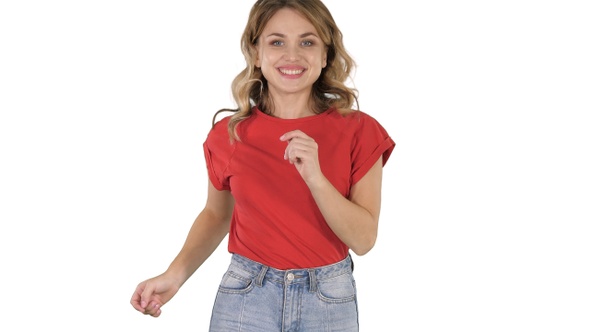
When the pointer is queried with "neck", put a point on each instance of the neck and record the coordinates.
(290, 106)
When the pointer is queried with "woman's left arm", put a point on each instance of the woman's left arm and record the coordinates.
(354, 220)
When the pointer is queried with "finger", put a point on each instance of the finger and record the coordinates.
(136, 299)
(290, 152)
(295, 154)
(137, 306)
(146, 295)
(153, 309)
(305, 144)
(157, 310)
(292, 134)
(301, 148)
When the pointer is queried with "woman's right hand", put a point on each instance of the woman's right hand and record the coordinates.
(208, 230)
(150, 295)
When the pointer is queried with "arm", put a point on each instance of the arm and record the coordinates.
(353, 220)
(205, 235)
(208, 230)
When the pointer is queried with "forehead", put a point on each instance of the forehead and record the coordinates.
(288, 20)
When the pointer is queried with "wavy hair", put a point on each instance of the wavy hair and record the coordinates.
(330, 89)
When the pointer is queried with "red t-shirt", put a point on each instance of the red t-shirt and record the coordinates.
(276, 221)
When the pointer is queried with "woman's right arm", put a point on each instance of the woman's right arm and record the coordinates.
(208, 230)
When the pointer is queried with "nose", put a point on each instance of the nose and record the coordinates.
(291, 53)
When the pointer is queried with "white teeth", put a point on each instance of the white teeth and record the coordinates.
(291, 72)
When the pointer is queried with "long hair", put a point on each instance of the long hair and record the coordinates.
(249, 86)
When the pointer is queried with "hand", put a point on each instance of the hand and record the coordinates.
(302, 151)
(152, 294)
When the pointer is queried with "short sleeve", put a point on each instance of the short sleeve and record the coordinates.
(371, 141)
(218, 151)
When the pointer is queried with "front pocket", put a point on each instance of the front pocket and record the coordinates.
(338, 289)
(235, 283)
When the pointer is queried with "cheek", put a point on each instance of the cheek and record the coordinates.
(266, 62)
(317, 57)
(318, 60)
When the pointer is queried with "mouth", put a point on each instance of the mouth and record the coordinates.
(291, 72)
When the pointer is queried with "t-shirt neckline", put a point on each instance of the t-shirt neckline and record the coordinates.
(267, 117)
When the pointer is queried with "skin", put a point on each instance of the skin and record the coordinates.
(205, 235)
(291, 57)
(290, 42)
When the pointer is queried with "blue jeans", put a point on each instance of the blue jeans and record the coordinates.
(256, 298)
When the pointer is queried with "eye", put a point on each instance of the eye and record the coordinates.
(307, 43)
(276, 43)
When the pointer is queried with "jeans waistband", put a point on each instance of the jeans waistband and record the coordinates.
(292, 276)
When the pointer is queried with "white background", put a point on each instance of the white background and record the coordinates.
(105, 105)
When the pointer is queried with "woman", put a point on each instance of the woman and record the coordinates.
(294, 178)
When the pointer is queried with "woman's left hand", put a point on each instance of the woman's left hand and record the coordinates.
(302, 151)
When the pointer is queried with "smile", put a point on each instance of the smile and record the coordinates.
(290, 71)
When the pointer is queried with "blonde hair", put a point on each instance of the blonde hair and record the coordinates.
(330, 90)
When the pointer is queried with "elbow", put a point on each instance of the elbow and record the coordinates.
(363, 247)
(364, 237)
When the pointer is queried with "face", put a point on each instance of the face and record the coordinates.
(290, 53)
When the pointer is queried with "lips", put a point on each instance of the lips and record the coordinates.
(291, 71)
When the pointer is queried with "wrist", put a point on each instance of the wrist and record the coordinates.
(176, 275)
(318, 183)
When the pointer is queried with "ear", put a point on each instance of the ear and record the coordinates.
(257, 58)
(325, 58)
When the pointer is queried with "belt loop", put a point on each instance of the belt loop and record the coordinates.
(313, 283)
(261, 275)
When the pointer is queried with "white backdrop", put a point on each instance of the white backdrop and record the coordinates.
(105, 105)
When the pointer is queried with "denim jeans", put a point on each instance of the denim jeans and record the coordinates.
(256, 298)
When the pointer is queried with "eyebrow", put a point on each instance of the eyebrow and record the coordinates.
(303, 35)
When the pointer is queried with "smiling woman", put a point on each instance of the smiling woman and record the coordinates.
(295, 179)
(291, 57)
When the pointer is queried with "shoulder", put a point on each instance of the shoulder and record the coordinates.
(362, 128)
(221, 122)
(355, 118)
(218, 136)
(220, 127)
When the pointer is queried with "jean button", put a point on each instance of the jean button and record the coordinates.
(290, 277)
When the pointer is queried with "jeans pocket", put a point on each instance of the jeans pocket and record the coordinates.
(339, 289)
(236, 282)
